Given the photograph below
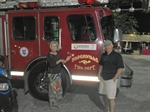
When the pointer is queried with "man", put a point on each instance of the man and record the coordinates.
(111, 66)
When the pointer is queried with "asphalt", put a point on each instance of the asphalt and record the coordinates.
(136, 98)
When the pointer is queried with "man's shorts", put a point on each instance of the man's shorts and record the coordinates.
(108, 88)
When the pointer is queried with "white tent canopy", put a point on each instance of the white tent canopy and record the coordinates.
(136, 38)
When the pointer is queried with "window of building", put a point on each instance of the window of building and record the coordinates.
(51, 28)
(81, 27)
(24, 28)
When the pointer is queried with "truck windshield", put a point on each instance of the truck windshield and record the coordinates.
(82, 27)
(107, 24)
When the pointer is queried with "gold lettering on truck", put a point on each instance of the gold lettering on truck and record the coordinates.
(85, 62)
(84, 59)
(85, 56)
(90, 67)
(77, 67)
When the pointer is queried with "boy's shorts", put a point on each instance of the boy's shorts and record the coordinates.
(108, 88)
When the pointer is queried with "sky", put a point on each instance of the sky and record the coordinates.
(143, 21)
(143, 18)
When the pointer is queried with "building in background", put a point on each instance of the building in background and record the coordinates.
(136, 42)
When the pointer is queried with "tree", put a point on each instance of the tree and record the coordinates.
(126, 21)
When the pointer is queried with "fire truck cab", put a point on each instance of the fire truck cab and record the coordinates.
(80, 26)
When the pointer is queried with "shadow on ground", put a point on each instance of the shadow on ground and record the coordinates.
(91, 91)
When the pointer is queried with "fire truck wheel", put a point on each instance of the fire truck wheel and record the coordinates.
(37, 87)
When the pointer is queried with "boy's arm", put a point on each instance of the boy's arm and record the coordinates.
(100, 71)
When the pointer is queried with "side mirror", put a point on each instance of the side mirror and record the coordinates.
(1, 60)
(117, 35)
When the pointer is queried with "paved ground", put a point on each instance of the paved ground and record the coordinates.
(79, 99)
(137, 98)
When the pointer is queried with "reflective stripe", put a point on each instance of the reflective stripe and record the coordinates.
(85, 78)
(16, 73)
(74, 77)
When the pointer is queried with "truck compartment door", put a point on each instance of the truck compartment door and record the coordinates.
(24, 39)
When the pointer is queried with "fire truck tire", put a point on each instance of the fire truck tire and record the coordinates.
(34, 81)
(35, 87)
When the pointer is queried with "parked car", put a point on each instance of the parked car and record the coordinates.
(8, 95)
(127, 51)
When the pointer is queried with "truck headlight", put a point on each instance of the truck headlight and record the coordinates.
(4, 86)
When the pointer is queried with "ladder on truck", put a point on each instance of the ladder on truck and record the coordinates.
(13, 4)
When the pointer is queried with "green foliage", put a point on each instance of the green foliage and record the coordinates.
(126, 21)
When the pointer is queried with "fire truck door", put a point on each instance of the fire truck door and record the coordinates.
(23, 35)
(82, 44)
(51, 24)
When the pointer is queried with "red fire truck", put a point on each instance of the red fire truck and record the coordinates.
(80, 26)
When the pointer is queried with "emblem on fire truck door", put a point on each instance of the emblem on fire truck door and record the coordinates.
(24, 51)
(83, 46)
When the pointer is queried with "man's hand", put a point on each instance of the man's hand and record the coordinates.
(114, 79)
(119, 71)
(99, 72)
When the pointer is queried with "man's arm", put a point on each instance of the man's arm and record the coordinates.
(100, 71)
(119, 71)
